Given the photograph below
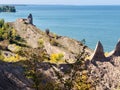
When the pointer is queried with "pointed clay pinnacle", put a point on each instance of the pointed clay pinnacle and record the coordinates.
(117, 49)
(98, 52)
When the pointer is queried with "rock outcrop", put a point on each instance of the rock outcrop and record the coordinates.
(70, 48)
(104, 72)
(30, 19)
(12, 78)
(105, 76)
(98, 52)
(116, 52)
(27, 31)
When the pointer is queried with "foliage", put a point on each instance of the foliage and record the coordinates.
(5, 30)
(1, 56)
(41, 42)
(31, 69)
(54, 58)
(41, 81)
(54, 35)
(77, 76)
(81, 82)
(106, 54)
(87, 57)
(9, 33)
(6, 25)
(54, 42)
(2, 22)
(14, 58)
(17, 49)
(5, 36)
(28, 53)
(13, 33)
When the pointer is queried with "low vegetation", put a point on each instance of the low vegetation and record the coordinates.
(9, 33)
(15, 58)
(41, 42)
(57, 58)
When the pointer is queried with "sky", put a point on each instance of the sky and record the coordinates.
(64, 2)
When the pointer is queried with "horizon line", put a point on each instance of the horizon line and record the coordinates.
(68, 4)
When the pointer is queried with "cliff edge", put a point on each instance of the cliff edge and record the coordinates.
(32, 59)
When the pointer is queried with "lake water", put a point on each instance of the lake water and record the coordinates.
(92, 23)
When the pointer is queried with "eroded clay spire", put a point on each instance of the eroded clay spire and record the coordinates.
(116, 52)
(98, 52)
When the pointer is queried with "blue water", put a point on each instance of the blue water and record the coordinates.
(92, 23)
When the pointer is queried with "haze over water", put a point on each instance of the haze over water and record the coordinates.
(92, 23)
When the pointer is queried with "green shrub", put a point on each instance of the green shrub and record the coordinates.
(1, 56)
(81, 82)
(2, 22)
(41, 42)
(1, 33)
(15, 58)
(7, 32)
(5, 36)
(57, 57)
(54, 42)
(6, 25)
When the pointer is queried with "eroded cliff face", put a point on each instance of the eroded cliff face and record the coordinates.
(70, 48)
(12, 78)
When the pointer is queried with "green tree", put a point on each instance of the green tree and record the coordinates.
(1, 22)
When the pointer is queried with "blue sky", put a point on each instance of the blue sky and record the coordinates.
(66, 2)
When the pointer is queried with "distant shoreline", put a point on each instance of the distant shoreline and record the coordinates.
(7, 8)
